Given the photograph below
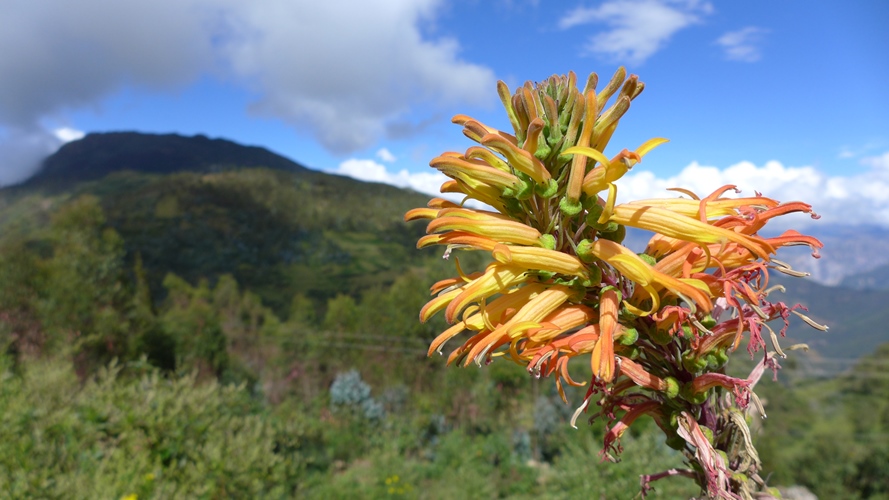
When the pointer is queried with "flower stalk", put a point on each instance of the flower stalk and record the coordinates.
(658, 326)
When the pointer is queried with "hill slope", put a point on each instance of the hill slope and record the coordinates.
(99, 154)
(278, 227)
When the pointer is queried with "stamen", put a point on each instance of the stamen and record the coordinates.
(579, 410)
(811, 322)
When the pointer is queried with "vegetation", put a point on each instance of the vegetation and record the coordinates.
(141, 361)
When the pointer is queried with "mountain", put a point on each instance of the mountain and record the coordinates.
(202, 207)
(98, 154)
(848, 251)
(874, 279)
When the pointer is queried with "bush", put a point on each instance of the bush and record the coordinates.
(149, 436)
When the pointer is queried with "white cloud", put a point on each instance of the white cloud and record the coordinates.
(859, 199)
(68, 134)
(743, 45)
(877, 162)
(386, 155)
(636, 28)
(343, 71)
(422, 182)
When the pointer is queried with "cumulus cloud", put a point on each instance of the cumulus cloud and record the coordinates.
(860, 199)
(744, 45)
(343, 71)
(68, 134)
(386, 155)
(423, 182)
(636, 29)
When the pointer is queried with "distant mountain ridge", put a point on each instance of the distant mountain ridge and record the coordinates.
(98, 154)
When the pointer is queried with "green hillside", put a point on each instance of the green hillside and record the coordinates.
(163, 310)
(278, 228)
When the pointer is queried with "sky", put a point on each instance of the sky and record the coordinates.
(789, 98)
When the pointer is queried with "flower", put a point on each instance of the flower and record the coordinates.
(561, 284)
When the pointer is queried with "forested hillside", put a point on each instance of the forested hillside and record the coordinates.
(158, 321)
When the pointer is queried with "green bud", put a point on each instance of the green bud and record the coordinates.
(712, 362)
(620, 296)
(595, 277)
(721, 356)
(616, 236)
(629, 337)
(593, 212)
(548, 241)
(570, 208)
(692, 363)
(545, 275)
(585, 253)
(509, 192)
(526, 191)
(548, 190)
(543, 150)
(688, 393)
(672, 387)
(708, 322)
(633, 352)
(687, 331)
(648, 259)
(513, 206)
(708, 433)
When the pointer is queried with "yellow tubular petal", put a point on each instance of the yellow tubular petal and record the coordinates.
(609, 204)
(420, 213)
(446, 335)
(650, 144)
(440, 203)
(602, 359)
(487, 156)
(437, 304)
(533, 135)
(496, 279)
(540, 259)
(678, 226)
(472, 173)
(624, 260)
(457, 238)
(499, 230)
(520, 159)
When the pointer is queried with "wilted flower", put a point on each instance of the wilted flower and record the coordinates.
(562, 285)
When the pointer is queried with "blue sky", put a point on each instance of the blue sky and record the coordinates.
(788, 98)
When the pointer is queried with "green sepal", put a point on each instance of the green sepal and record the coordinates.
(692, 363)
(616, 236)
(548, 190)
(548, 241)
(708, 322)
(629, 337)
(595, 277)
(594, 211)
(585, 253)
(688, 394)
(570, 208)
(648, 259)
(526, 190)
(708, 433)
(672, 388)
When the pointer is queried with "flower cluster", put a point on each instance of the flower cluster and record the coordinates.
(658, 326)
